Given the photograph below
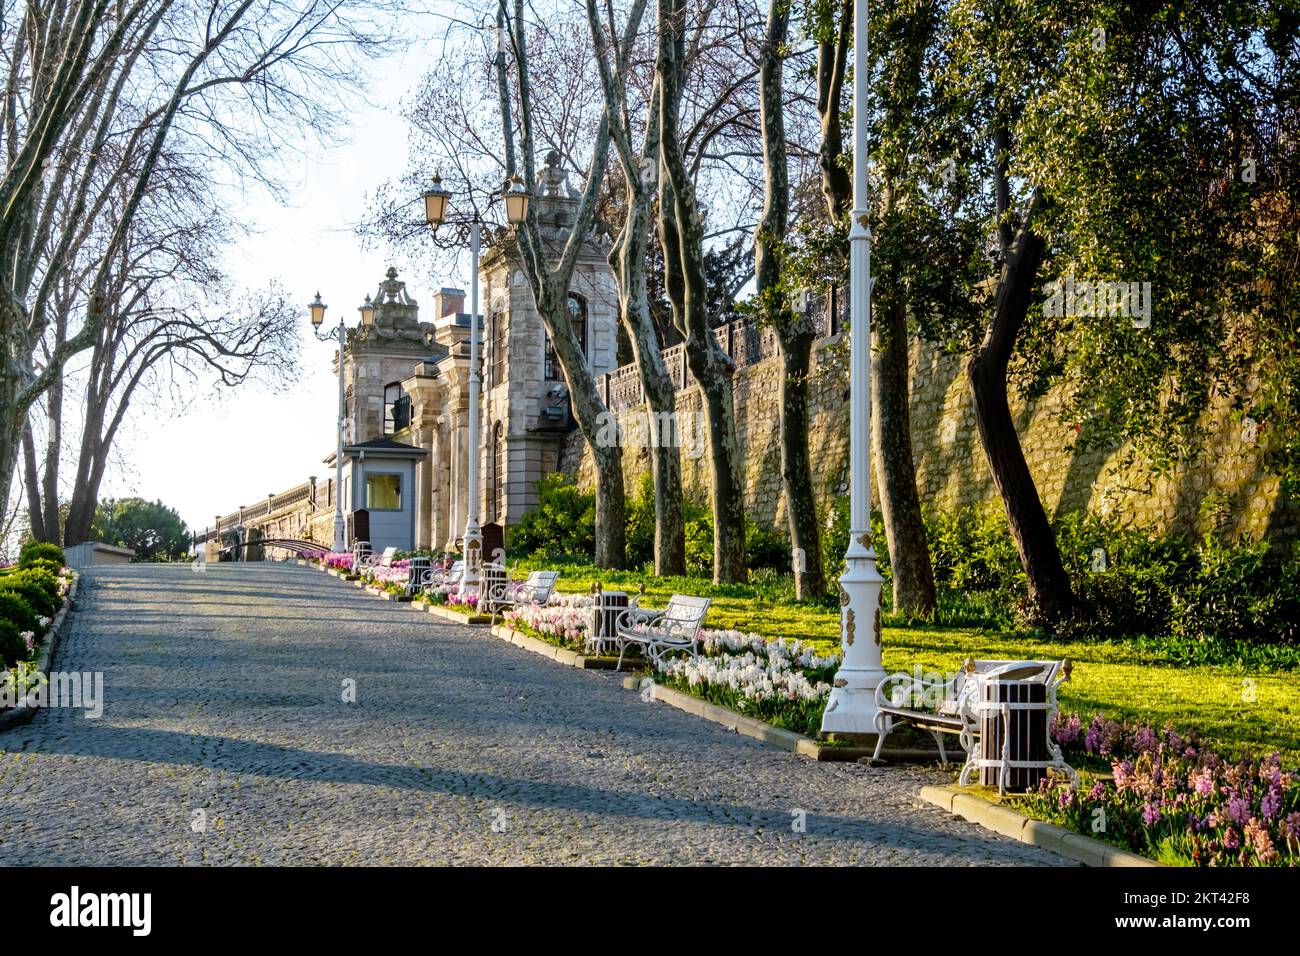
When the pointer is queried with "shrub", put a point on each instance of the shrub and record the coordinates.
(12, 646)
(18, 612)
(765, 548)
(37, 597)
(34, 550)
(1241, 593)
(699, 544)
(41, 564)
(972, 550)
(641, 522)
(563, 523)
(47, 580)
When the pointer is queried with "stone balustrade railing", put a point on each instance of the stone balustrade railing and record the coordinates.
(744, 342)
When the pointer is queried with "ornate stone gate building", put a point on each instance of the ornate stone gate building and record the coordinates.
(406, 393)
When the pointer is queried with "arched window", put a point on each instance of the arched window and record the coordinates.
(397, 408)
(498, 346)
(578, 319)
(496, 473)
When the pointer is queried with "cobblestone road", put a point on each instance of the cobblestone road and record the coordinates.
(223, 695)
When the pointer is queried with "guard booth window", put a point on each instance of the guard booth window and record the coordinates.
(383, 492)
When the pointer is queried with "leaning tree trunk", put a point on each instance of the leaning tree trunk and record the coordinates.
(794, 331)
(710, 366)
(986, 372)
(900, 505)
(796, 465)
(665, 452)
(32, 485)
(832, 60)
(550, 288)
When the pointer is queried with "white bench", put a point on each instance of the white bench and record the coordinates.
(537, 589)
(676, 627)
(955, 706)
(437, 577)
(370, 560)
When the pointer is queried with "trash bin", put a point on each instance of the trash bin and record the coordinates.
(492, 576)
(1013, 716)
(415, 574)
(604, 617)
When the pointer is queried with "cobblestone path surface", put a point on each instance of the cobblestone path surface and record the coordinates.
(225, 739)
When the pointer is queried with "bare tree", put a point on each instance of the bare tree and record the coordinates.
(550, 285)
(794, 328)
(628, 260)
(94, 95)
(682, 236)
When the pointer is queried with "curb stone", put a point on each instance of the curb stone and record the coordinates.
(21, 715)
(452, 616)
(562, 654)
(1002, 819)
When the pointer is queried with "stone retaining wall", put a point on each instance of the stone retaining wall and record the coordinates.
(952, 470)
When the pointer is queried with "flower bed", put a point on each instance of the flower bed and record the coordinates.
(392, 579)
(32, 593)
(564, 621)
(782, 682)
(449, 597)
(1171, 799)
(334, 560)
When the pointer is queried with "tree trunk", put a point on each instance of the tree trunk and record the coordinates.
(832, 59)
(1049, 585)
(794, 330)
(710, 366)
(900, 505)
(660, 394)
(627, 260)
(32, 485)
(796, 465)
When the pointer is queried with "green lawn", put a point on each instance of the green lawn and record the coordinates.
(1233, 710)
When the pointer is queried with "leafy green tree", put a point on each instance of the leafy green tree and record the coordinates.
(154, 531)
(1134, 146)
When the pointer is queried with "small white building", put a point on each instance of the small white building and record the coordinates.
(96, 552)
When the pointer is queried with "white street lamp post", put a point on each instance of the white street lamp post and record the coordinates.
(473, 532)
(435, 210)
(317, 309)
(851, 708)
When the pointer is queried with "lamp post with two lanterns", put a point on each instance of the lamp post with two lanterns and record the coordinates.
(317, 309)
(435, 212)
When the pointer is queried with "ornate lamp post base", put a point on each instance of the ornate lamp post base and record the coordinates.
(851, 708)
(340, 544)
(471, 574)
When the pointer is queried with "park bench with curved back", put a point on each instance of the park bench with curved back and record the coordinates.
(372, 560)
(677, 627)
(536, 589)
(956, 706)
(439, 576)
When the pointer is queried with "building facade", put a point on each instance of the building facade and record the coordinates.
(406, 404)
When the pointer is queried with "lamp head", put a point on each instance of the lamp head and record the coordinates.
(317, 309)
(435, 202)
(516, 198)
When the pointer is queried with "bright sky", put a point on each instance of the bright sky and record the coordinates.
(220, 455)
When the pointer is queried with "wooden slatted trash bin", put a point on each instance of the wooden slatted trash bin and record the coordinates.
(416, 570)
(604, 617)
(493, 578)
(1013, 710)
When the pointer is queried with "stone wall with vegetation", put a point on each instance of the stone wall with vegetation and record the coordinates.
(1227, 484)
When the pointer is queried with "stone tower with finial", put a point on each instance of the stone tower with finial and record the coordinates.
(527, 413)
(377, 359)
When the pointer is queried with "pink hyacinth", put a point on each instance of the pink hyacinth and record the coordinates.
(1203, 783)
